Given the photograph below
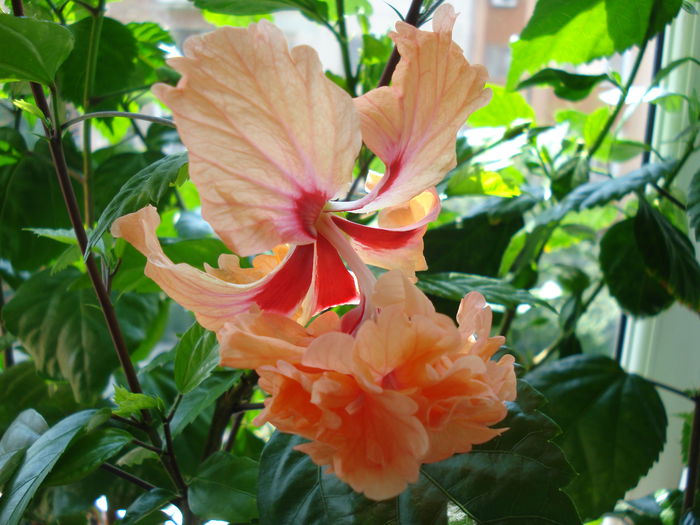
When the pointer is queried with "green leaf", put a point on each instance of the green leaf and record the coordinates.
(292, 489)
(146, 504)
(148, 186)
(505, 108)
(87, 453)
(513, 479)
(454, 286)
(199, 399)
(694, 204)
(23, 205)
(39, 460)
(196, 355)
(34, 49)
(23, 431)
(130, 403)
(597, 193)
(578, 31)
(600, 407)
(224, 488)
(628, 279)
(64, 331)
(453, 247)
(312, 9)
(24, 387)
(30, 108)
(669, 254)
(115, 60)
(568, 86)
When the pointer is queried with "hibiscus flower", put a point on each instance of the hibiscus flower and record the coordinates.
(409, 387)
(272, 143)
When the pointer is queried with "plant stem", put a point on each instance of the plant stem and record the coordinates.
(342, 37)
(225, 407)
(508, 317)
(237, 420)
(666, 194)
(671, 389)
(412, 18)
(142, 444)
(693, 460)
(620, 103)
(90, 69)
(145, 485)
(124, 114)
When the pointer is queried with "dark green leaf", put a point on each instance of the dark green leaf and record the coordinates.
(34, 49)
(601, 192)
(39, 460)
(115, 60)
(87, 453)
(112, 174)
(23, 431)
(669, 254)
(566, 85)
(474, 245)
(146, 504)
(456, 285)
(196, 355)
(694, 204)
(600, 407)
(64, 331)
(23, 205)
(292, 489)
(148, 186)
(312, 9)
(692, 517)
(9, 462)
(224, 488)
(130, 403)
(627, 277)
(505, 107)
(196, 401)
(24, 387)
(578, 31)
(513, 479)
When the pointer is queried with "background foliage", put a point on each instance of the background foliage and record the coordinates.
(157, 423)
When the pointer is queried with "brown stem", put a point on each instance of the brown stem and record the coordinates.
(508, 317)
(693, 460)
(411, 18)
(237, 420)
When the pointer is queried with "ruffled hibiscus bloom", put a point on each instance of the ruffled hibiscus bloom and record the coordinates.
(272, 143)
(409, 387)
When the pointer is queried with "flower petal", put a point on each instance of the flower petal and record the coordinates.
(398, 242)
(213, 300)
(412, 124)
(332, 282)
(270, 138)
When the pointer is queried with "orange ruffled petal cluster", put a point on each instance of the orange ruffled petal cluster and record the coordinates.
(409, 387)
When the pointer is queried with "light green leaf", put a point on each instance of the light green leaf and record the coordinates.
(28, 107)
(23, 431)
(628, 279)
(34, 49)
(148, 186)
(578, 31)
(146, 504)
(669, 254)
(224, 488)
(505, 108)
(312, 9)
(39, 460)
(456, 285)
(196, 355)
(600, 407)
(130, 403)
